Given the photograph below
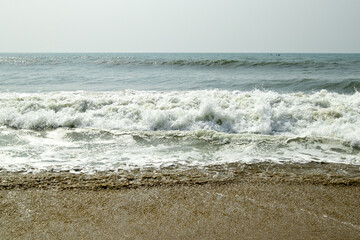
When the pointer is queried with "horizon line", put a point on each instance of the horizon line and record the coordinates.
(145, 52)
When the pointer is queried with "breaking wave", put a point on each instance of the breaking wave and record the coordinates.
(322, 113)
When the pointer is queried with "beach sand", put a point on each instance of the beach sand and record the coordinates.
(73, 206)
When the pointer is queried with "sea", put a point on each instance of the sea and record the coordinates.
(86, 113)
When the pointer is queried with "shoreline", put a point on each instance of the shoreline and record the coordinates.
(310, 173)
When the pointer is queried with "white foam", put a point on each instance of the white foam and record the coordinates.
(319, 114)
(92, 150)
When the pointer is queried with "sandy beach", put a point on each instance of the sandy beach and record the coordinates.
(62, 206)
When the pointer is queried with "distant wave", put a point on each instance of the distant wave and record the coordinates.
(223, 63)
(127, 61)
(349, 85)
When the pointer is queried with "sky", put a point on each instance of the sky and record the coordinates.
(180, 26)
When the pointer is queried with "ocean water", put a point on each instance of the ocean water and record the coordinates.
(89, 113)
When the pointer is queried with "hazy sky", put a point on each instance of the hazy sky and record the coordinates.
(180, 26)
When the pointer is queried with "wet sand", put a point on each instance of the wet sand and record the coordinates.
(211, 211)
(266, 204)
